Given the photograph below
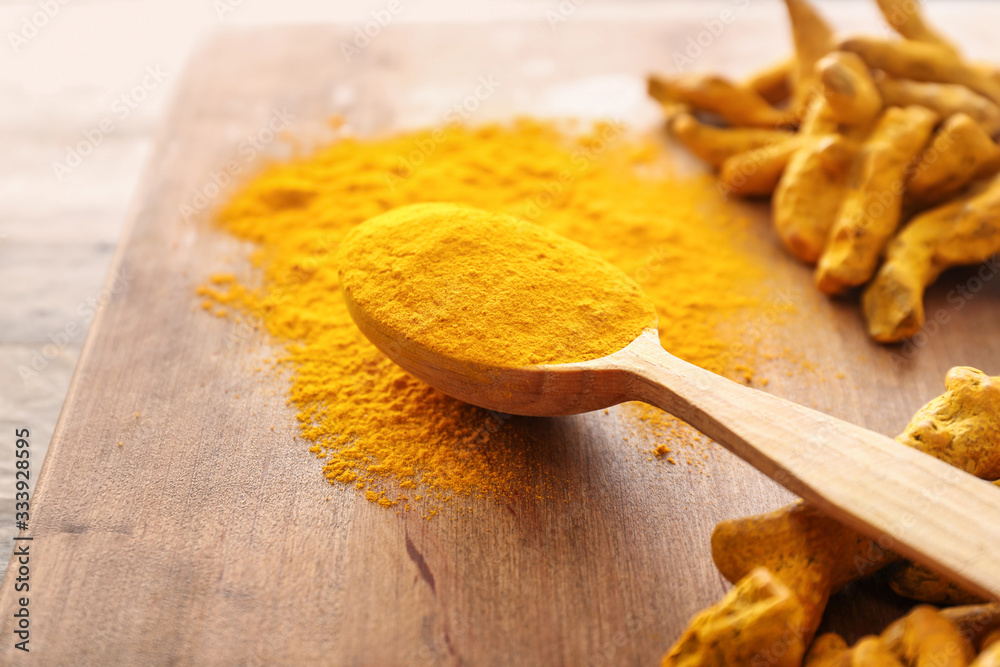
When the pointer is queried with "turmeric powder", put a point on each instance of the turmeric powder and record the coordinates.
(396, 440)
(443, 275)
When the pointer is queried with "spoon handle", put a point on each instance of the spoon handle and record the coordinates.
(918, 506)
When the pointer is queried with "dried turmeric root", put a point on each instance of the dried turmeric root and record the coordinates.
(960, 152)
(976, 622)
(813, 184)
(849, 88)
(962, 426)
(773, 83)
(737, 105)
(871, 211)
(916, 582)
(813, 38)
(906, 18)
(811, 553)
(657, 89)
(715, 145)
(959, 427)
(814, 555)
(758, 609)
(945, 99)
(831, 650)
(965, 231)
(922, 638)
(989, 657)
(827, 651)
(922, 61)
(893, 303)
(988, 69)
(865, 108)
(926, 637)
(757, 171)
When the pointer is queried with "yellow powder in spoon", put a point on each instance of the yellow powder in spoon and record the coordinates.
(390, 436)
(489, 288)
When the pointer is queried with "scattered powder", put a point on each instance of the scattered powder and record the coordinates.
(388, 435)
(646, 424)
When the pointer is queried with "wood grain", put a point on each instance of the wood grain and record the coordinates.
(208, 538)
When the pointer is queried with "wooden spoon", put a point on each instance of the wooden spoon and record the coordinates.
(908, 501)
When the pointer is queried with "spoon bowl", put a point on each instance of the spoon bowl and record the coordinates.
(545, 390)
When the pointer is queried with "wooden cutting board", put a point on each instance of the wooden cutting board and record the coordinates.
(207, 537)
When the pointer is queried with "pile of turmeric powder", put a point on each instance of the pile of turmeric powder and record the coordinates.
(889, 132)
(395, 439)
(435, 276)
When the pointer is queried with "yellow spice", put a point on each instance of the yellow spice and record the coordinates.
(378, 429)
(489, 288)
